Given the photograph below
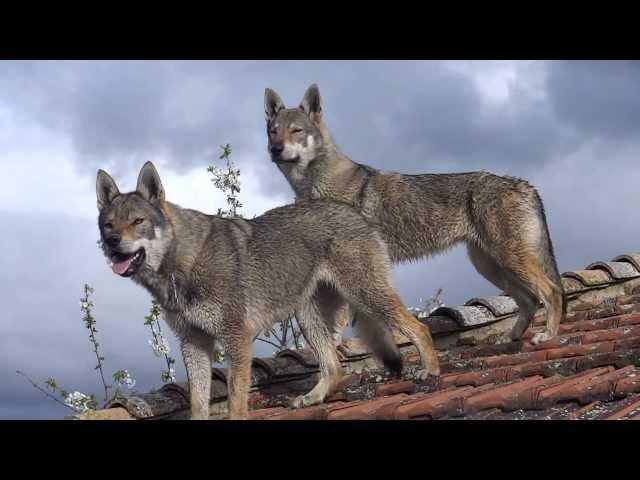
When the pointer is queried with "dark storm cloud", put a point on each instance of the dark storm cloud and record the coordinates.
(417, 116)
(407, 116)
(600, 98)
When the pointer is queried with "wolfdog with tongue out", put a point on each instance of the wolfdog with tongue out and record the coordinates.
(224, 280)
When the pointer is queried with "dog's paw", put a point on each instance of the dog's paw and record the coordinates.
(541, 337)
(424, 374)
(304, 401)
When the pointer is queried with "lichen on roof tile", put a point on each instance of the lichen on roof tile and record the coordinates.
(589, 277)
(499, 305)
(617, 270)
(571, 285)
(153, 404)
(465, 316)
(632, 258)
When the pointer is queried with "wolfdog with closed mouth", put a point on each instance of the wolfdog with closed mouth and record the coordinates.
(501, 219)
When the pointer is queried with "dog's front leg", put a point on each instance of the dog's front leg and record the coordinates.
(239, 375)
(197, 352)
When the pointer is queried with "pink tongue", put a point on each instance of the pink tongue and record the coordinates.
(121, 267)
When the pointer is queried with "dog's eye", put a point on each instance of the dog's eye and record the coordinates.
(138, 221)
(296, 130)
(273, 131)
(108, 225)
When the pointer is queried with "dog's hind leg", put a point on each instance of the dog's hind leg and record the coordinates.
(334, 310)
(388, 307)
(379, 338)
(375, 300)
(513, 232)
(522, 275)
(552, 296)
(510, 283)
(318, 334)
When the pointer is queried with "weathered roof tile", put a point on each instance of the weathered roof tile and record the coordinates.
(153, 404)
(365, 410)
(616, 270)
(393, 388)
(465, 316)
(499, 305)
(589, 278)
(632, 258)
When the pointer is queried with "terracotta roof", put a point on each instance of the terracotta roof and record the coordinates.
(590, 371)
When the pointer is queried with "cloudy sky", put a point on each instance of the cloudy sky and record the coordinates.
(570, 128)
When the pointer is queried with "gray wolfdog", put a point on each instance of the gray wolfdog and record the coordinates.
(222, 281)
(501, 219)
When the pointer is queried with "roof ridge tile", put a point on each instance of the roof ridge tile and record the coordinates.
(589, 278)
(632, 258)
(616, 270)
(498, 305)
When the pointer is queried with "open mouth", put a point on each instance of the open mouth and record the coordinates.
(126, 264)
(286, 160)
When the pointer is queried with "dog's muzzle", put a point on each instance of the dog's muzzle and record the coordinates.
(127, 264)
(280, 160)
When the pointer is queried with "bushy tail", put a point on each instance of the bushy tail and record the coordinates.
(379, 339)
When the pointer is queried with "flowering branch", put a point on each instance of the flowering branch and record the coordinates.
(35, 385)
(90, 324)
(123, 378)
(76, 401)
(158, 343)
(228, 182)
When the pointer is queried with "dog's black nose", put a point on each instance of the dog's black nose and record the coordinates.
(276, 148)
(113, 240)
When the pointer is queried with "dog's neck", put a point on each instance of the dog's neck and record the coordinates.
(330, 169)
(164, 281)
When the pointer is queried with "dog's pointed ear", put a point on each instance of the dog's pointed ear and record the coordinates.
(312, 102)
(272, 103)
(149, 185)
(106, 189)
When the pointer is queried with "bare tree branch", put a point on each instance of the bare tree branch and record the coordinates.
(35, 385)
(270, 343)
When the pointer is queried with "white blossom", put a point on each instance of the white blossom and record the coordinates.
(124, 378)
(78, 401)
(168, 375)
(160, 346)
